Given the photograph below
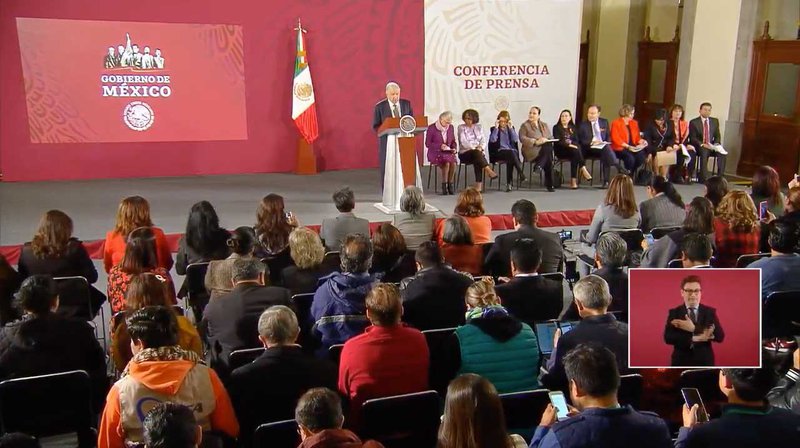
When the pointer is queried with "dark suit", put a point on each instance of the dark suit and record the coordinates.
(267, 389)
(498, 260)
(685, 352)
(383, 111)
(230, 321)
(617, 281)
(607, 156)
(532, 298)
(696, 140)
(434, 298)
(656, 139)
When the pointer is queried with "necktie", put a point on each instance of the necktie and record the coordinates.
(395, 111)
(692, 315)
(596, 130)
(705, 131)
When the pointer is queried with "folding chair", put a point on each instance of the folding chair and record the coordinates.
(745, 260)
(196, 294)
(630, 390)
(75, 300)
(239, 358)
(781, 314)
(523, 410)
(676, 263)
(276, 263)
(302, 307)
(282, 434)
(335, 353)
(332, 260)
(402, 421)
(48, 405)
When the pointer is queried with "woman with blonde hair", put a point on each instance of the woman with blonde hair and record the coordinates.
(134, 212)
(492, 343)
(473, 416)
(618, 210)
(736, 228)
(504, 147)
(469, 205)
(308, 253)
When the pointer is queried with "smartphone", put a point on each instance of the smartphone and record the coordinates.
(762, 209)
(565, 235)
(288, 215)
(692, 397)
(649, 238)
(560, 403)
(567, 326)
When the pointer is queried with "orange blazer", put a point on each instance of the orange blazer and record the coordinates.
(114, 249)
(480, 226)
(619, 133)
(681, 134)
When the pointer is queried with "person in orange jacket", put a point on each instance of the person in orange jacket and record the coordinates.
(161, 371)
(626, 139)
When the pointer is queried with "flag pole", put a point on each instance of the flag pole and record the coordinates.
(306, 159)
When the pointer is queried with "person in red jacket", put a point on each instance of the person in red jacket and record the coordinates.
(390, 358)
(134, 212)
(626, 141)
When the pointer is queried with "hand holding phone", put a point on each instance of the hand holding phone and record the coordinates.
(762, 209)
(560, 405)
(650, 238)
(691, 397)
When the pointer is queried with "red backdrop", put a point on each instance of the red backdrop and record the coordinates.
(736, 294)
(354, 47)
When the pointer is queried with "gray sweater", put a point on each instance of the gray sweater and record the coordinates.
(606, 218)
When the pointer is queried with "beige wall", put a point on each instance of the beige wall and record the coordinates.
(783, 16)
(611, 58)
(662, 18)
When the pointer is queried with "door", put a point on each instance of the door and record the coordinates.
(656, 77)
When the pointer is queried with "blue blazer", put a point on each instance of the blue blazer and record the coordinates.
(585, 134)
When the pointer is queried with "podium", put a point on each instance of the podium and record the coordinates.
(401, 168)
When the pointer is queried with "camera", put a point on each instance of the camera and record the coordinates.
(565, 235)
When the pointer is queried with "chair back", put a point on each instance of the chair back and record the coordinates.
(332, 261)
(301, 303)
(524, 409)
(47, 405)
(436, 338)
(276, 263)
(74, 297)
(745, 260)
(632, 237)
(486, 248)
(659, 232)
(781, 314)
(239, 358)
(335, 353)
(196, 292)
(676, 263)
(282, 434)
(630, 390)
(403, 421)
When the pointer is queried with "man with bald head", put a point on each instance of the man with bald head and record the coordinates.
(390, 107)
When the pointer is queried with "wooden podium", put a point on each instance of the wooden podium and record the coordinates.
(401, 168)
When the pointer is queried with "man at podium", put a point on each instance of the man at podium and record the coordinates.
(391, 106)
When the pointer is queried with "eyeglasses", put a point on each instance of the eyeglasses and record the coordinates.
(693, 291)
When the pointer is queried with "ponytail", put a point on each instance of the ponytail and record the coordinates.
(661, 185)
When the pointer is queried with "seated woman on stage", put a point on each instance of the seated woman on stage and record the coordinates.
(441, 143)
(469, 205)
(133, 212)
(618, 210)
(737, 230)
(534, 135)
(504, 147)
(458, 248)
(679, 129)
(471, 147)
(658, 138)
(567, 146)
(626, 142)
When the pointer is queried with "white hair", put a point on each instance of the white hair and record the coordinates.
(446, 114)
(392, 85)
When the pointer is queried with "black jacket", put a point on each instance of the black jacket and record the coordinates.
(744, 427)
(684, 352)
(532, 299)
(617, 281)
(218, 250)
(434, 298)
(786, 394)
(657, 139)
(393, 269)
(230, 321)
(267, 389)
(303, 281)
(498, 260)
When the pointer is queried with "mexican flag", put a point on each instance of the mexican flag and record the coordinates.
(304, 113)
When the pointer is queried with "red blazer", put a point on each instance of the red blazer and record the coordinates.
(619, 133)
(114, 249)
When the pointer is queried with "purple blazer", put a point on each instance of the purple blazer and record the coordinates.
(433, 141)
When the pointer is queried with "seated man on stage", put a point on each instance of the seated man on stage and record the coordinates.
(391, 107)
(704, 136)
(593, 136)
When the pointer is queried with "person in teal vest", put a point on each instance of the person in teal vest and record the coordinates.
(492, 344)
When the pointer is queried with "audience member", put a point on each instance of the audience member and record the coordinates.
(664, 208)
(134, 213)
(598, 419)
(472, 146)
(716, 187)
(434, 297)
(597, 325)
(140, 256)
(229, 321)
(659, 139)
(610, 256)
(525, 218)
(748, 420)
(391, 260)
(204, 239)
(594, 138)
(766, 186)
(626, 139)
(43, 341)
(792, 206)
(308, 255)
(786, 394)
(9, 283)
(273, 226)
(440, 140)
(504, 148)
(704, 136)
(162, 371)
(19, 440)
(242, 242)
(696, 251)
(145, 290)
(535, 136)
(618, 210)
(699, 219)
(458, 247)
(779, 271)
(469, 206)
(686, 153)
(567, 147)
(414, 223)
(171, 425)
(389, 358)
(334, 230)
(267, 389)
(736, 229)
(54, 252)
(527, 295)
(473, 416)
(493, 344)
(320, 418)
(338, 308)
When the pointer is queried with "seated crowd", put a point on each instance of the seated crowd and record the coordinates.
(363, 312)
